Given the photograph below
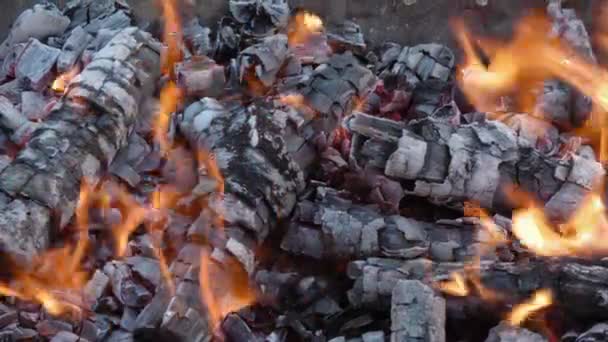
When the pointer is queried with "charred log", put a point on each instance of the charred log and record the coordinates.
(78, 140)
(478, 162)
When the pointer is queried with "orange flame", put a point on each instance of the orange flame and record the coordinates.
(456, 286)
(540, 300)
(223, 290)
(170, 96)
(582, 235)
(521, 64)
(172, 37)
(303, 26)
(62, 81)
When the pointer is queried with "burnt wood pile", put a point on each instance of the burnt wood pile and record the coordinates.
(312, 190)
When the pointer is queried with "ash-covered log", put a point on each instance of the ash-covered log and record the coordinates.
(78, 140)
(578, 286)
(478, 162)
(417, 313)
(331, 226)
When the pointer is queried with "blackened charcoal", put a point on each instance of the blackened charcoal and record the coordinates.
(425, 62)
(236, 329)
(264, 60)
(201, 77)
(147, 268)
(83, 11)
(497, 156)
(260, 18)
(597, 333)
(11, 119)
(51, 327)
(128, 320)
(508, 333)
(40, 22)
(116, 21)
(34, 106)
(417, 313)
(124, 286)
(9, 64)
(72, 49)
(333, 87)
(96, 287)
(48, 170)
(372, 336)
(342, 229)
(227, 41)
(120, 336)
(346, 35)
(197, 37)
(66, 336)
(12, 90)
(36, 63)
(8, 318)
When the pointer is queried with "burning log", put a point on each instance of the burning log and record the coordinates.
(260, 18)
(578, 287)
(41, 184)
(480, 161)
(334, 227)
(417, 313)
(560, 103)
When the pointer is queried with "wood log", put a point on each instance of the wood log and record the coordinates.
(80, 137)
(332, 227)
(477, 162)
(578, 286)
(263, 152)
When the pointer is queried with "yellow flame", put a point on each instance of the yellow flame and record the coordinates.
(302, 27)
(456, 286)
(61, 83)
(583, 235)
(540, 300)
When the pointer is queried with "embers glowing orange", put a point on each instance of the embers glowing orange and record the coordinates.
(60, 84)
(540, 299)
(302, 27)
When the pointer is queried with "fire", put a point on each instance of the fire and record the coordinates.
(582, 235)
(304, 26)
(61, 83)
(540, 300)
(170, 95)
(456, 286)
(523, 63)
(223, 290)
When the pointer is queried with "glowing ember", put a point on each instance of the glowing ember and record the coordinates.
(304, 26)
(540, 300)
(60, 84)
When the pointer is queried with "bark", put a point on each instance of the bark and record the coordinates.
(579, 287)
(475, 162)
(80, 137)
(331, 227)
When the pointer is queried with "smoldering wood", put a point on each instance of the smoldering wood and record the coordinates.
(79, 139)
(197, 37)
(264, 60)
(474, 162)
(36, 63)
(72, 49)
(262, 159)
(417, 313)
(578, 286)
(599, 332)
(333, 227)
